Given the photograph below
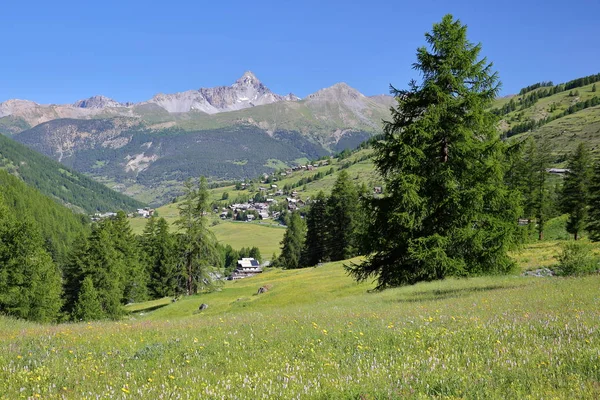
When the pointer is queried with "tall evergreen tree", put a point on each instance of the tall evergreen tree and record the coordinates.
(593, 221)
(537, 201)
(447, 210)
(292, 243)
(342, 209)
(88, 307)
(30, 282)
(315, 247)
(159, 248)
(575, 194)
(126, 244)
(198, 247)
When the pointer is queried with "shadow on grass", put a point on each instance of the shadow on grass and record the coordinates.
(444, 294)
(148, 309)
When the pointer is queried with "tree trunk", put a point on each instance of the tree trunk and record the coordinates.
(575, 235)
(444, 150)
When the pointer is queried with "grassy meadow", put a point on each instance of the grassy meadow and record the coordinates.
(318, 334)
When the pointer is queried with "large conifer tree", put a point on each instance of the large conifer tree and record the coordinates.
(199, 254)
(315, 246)
(447, 210)
(575, 193)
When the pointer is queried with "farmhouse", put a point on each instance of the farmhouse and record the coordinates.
(246, 267)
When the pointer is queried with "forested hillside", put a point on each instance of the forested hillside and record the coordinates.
(563, 114)
(59, 182)
(59, 226)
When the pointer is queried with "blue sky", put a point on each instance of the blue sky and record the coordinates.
(62, 51)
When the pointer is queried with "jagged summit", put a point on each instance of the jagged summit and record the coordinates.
(97, 102)
(248, 79)
(247, 91)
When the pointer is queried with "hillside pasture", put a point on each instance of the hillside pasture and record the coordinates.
(317, 334)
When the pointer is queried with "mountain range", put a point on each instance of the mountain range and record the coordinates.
(147, 149)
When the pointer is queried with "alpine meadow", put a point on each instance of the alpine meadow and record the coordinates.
(233, 243)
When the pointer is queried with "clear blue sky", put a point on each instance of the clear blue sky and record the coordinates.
(62, 51)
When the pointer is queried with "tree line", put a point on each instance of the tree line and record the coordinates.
(333, 228)
(108, 266)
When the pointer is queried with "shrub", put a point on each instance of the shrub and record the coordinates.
(576, 259)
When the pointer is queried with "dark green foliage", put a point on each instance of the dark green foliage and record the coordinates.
(576, 259)
(534, 185)
(342, 209)
(159, 254)
(110, 258)
(530, 125)
(88, 307)
(447, 211)
(594, 87)
(315, 247)
(58, 225)
(575, 193)
(292, 243)
(30, 282)
(198, 251)
(59, 182)
(593, 222)
(535, 86)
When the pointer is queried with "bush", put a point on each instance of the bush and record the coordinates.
(576, 259)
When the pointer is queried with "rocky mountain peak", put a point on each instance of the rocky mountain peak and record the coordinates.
(97, 102)
(248, 79)
(336, 92)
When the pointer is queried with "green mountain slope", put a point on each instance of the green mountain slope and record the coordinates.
(564, 114)
(59, 225)
(59, 182)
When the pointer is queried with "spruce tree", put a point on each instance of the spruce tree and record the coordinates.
(575, 193)
(447, 211)
(315, 247)
(88, 307)
(594, 87)
(198, 250)
(292, 243)
(160, 254)
(593, 221)
(342, 209)
(30, 282)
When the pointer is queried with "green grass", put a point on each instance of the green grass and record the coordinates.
(245, 234)
(317, 334)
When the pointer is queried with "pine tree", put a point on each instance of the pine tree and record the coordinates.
(593, 221)
(575, 194)
(30, 282)
(198, 249)
(447, 210)
(126, 244)
(160, 255)
(292, 243)
(342, 209)
(537, 193)
(88, 307)
(594, 87)
(315, 247)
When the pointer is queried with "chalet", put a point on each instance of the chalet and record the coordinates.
(264, 215)
(377, 190)
(246, 267)
(250, 217)
(145, 212)
(294, 193)
(310, 167)
(273, 186)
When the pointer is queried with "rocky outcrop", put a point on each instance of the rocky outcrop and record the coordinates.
(246, 92)
(97, 102)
